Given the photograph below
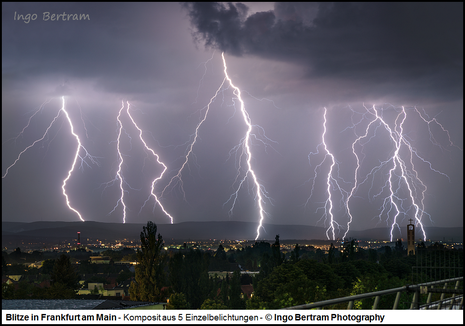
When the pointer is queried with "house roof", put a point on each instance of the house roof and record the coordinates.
(247, 290)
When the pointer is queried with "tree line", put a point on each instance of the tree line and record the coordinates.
(299, 277)
(282, 281)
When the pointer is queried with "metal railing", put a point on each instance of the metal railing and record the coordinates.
(455, 300)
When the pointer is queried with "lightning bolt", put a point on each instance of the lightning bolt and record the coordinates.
(355, 177)
(401, 174)
(118, 173)
(29, 121)
(398, 139)
(432, 138)
(76, 155)
(245, 144)
(119, 176)
(152, 192)
(331, 182)
(35, 142)
(177, 179)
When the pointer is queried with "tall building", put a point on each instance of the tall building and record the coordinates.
(410, 238)
(79, 239)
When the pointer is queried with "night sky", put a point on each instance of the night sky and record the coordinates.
(291, 61)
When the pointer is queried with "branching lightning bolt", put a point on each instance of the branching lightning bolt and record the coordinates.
(118, 173)
(152, 192)
(355, 178)
(330, 180)
(244, 144)
(76, 155)
(177, 179)
(397, 138)
(246, 147)
(401, 174)
(75, 159)
(36, 141)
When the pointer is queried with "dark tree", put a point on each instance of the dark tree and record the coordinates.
(16, 255)
(63, 272)
(399, 248)
(372, 255)
(295, 254)
(4, 266)
(276, 252)
(47, 266)
(235, 300)
(225, 290)
(387, 253)
(331, 254)
(150, 273)
(349, 250)
(220, 253)
(176, 277)
(177, 301)
(286, 286)
(189, 275)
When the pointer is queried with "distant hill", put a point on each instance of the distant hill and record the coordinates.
(432, 233)
(37, 231)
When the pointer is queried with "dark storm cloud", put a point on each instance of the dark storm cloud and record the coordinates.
(380, 43)
(118, 42)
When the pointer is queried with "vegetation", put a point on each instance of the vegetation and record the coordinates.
(63, 279)
(150, 273)
(181, 278)
(177, 301)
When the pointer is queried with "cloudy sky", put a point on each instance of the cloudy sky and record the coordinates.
(292, 62)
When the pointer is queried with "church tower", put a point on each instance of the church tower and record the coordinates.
(410, 238)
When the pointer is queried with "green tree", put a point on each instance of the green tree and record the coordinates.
(387, 253)
(150, 273)
(8, 291)
(399, 248)
(211, 304)
(349, 250)
(63, 273)
(321, 273)
(177, 301)
(220, 253)
(235, 300)
(176, 273)
(23, 290)
(295, 254)
(189, 275)
(286, 286)
(331, 254)
(60, 291)
(225, 290)
(372, 255)
(397, 267)
(16, 255)
(347, 272)
(276, 252)
(47, 266)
